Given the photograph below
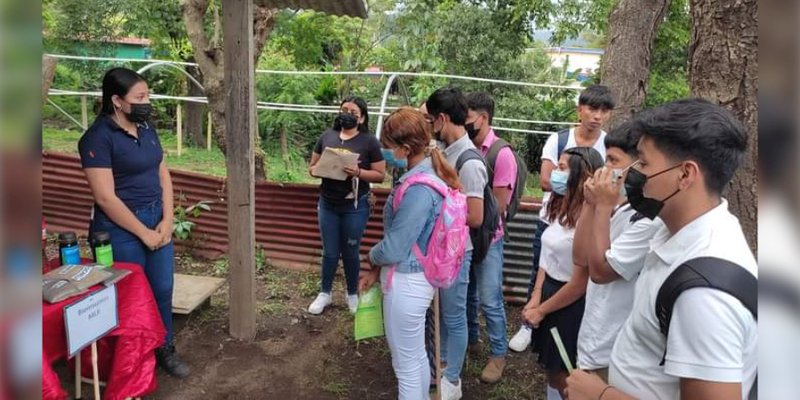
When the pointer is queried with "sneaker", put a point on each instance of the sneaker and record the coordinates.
(168, 359)
(553, 394)
(451, 391)
(493, 370)
(521, 339)
(318, 306)
(352, 303)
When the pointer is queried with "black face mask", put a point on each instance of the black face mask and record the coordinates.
(472, 131)
(345, 121)
(140, 112)
(634, 187)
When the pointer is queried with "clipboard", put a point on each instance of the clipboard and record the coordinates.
(332, 162)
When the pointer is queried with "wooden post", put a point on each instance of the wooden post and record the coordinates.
(84, 113)
(179, 128)
(240, 122)
(78, 394)
(95, 374)
(437, 345)
(208, 133)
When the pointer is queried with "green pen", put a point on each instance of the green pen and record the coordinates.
(561, 349)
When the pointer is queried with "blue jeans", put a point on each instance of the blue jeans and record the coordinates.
(342, 227)
(537, 252)
(454, 322)
(158, 265)
(486, 289)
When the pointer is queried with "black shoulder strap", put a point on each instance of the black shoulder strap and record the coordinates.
(469, 154)
(708, 272)
(563, 138)
(491, 155)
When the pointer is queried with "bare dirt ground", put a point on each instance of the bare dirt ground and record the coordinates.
(300, 356)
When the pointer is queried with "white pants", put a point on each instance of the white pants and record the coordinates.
(404, 305)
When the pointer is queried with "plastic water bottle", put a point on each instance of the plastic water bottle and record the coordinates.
(68, 249)
(101, 247)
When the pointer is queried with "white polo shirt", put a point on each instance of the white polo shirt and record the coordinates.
(712, 336)
(608, 305)
(556, 258)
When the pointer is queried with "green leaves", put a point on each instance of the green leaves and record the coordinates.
(182, 226)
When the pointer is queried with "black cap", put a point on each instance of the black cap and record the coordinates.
(101, 236)
(67, 237)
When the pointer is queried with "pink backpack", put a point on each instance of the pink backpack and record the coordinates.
(442, 262)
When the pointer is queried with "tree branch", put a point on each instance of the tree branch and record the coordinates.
(208, 58)
(263, 22)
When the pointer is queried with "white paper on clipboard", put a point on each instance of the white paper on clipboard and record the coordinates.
(332, 162)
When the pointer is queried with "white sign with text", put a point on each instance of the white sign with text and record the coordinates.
(91, 318)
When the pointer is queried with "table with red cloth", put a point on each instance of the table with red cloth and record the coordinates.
(126, 355)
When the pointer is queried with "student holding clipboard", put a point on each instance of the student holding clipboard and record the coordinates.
(343, 204)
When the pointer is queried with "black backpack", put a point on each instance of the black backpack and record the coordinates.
(481, 236)
(519, 186)
(708, 272)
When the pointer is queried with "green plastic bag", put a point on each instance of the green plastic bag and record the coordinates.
(369, 315)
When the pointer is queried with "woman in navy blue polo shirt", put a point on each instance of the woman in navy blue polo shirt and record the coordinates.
(132, 189)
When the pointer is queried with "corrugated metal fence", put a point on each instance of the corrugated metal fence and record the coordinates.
(286, 218)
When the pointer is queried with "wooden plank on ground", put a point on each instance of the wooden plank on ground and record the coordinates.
(190, 291)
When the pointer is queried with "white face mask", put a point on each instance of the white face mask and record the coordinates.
(617, 174)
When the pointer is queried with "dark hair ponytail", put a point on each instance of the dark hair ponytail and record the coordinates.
(117, 81)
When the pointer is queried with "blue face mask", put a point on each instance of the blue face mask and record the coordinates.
(558, 181)
(388, 156)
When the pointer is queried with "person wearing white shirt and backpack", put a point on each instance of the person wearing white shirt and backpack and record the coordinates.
(611, 239)
(699, 343)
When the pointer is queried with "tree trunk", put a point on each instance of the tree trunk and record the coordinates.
(209, 56)
(48, 73)
(723, 68)
(625, 69)
(195, 112)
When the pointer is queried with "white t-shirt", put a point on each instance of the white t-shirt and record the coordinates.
(556, 258)
(712, 336)
(550, 152)
(608, 305)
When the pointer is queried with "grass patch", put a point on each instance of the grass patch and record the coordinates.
(276, 283)
(337, 388)
(532, 187)
(309, 286)
(272, 307)
(332, 379)
(220, 267)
